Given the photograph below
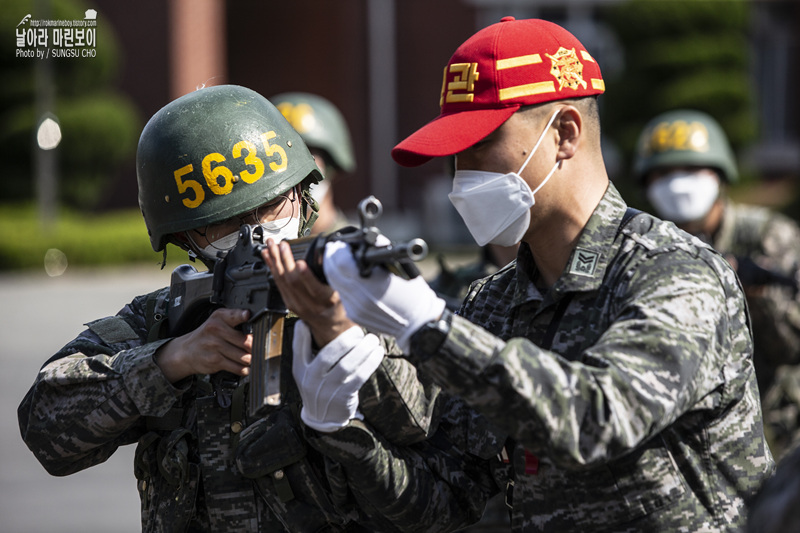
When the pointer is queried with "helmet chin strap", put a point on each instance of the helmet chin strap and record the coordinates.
(189, 247)
(172, 239)
(192, 251)
(307, 199)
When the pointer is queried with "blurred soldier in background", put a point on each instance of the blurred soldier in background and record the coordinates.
(452, 284)
(207, 163)
(776, 507)
(325, 132)
(685, 165)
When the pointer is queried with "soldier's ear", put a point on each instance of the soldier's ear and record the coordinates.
(569, 125)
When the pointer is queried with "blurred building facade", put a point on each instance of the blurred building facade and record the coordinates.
(380, 62)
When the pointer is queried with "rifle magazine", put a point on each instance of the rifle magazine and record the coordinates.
(265, 367)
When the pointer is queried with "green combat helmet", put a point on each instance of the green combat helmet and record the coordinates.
(684, 138)
(216, 153)
(320, 124)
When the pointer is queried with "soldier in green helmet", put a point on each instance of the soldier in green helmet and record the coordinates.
(685, 165)
(324, 130)
(207, 163)
(193, 176)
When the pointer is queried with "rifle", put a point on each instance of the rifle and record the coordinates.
(241, 280)
(752, 274)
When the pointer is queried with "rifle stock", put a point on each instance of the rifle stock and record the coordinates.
(241, 280)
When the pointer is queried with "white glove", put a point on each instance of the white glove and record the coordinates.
(382, 302)
(329, 383)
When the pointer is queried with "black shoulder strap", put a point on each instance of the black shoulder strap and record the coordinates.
(155, 321)
(629, 215)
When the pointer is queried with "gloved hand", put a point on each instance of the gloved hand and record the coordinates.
(329, 383)
(382, 302)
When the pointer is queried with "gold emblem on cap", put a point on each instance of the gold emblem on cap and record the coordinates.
(466, 74)
(567, 69)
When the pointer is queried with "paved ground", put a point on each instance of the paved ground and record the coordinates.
(38, 315)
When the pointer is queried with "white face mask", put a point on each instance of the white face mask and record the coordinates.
(277, 230)
(496, 207)
(684, 195)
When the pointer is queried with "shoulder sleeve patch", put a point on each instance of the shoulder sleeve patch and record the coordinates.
(113, 329)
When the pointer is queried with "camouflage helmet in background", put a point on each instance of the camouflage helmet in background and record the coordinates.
(684, 137)
(213, 154)
(320, 124)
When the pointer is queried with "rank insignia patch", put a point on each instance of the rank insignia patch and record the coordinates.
(584, 262)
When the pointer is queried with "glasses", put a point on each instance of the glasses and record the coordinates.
(262, 215)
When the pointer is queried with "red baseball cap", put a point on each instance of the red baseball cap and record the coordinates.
(501, 68)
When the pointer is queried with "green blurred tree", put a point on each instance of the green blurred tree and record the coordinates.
(99, 124)
(680, 54)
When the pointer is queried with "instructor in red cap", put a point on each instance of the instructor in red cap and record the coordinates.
(610, 366)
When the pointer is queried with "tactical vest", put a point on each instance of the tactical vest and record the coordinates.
(258, 475)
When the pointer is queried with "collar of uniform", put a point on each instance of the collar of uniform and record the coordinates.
(587, 264)
(588, 261)
(526, 273)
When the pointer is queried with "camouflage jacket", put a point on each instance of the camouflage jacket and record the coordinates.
(201, 465)
(771, 240)
(644, 414)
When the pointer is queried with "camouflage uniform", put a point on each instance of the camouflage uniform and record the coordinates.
(198, 471)
(452, 285)
(645, 415)
(774, 240)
